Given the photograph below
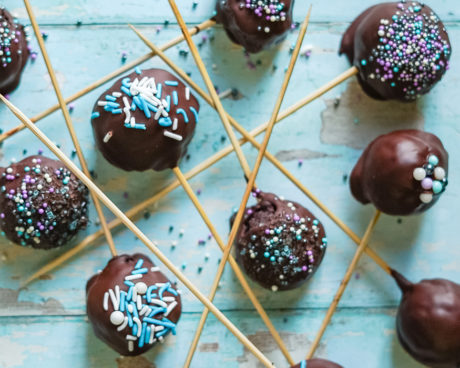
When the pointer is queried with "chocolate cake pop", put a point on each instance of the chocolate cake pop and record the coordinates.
(428, 321)
(14, 51)
(145, 121)
(255, 24)
(42, 204)
(132, 305)
(401, 173)
(280, 244)
(316, 363)
(400, 48)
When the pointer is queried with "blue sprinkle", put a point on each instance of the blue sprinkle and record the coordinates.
(172, 83)
(172, 291)
(303, 364)
(182, 111)
(175, 98)
(156, 311)
(147, 334)
(159, 89)
(168, 102)
(117, 111)
(163, 289)
(138, 70)
(142, 337)
(133, 106)
(151, 107)
(165, 122)
(110, 98)
(130, 318)
(108, 108)
(136, 126)
(122, 301)
(135, 329)
(95, 115)
(128, 283)
(125, 91)
(139, 264)
(138, 102)
(113, 104)
(162, 333)
(130, 293)
(145, 108)
(154, 321)
(195, 113)
(139, 271)
(135, 314)
(126, 82)
(149, 292)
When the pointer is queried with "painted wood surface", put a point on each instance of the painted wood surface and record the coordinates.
(45, 325)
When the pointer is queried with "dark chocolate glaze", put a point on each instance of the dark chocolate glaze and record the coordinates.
(43, 209)
(114, 274)
(428, 321)
(365, 49)
(14, 52)
(318, 363)
(384, 174)
(247, 29)
(287, 261)
(140, 150)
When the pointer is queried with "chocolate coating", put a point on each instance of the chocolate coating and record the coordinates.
(317, 363)
(42, 203)
(142, 144)
(251, 27)
(280, 244)
(113, 323)
(385, 173)
(428, 321)
(14, 51)
(395, 67)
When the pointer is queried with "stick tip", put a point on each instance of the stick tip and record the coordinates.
(403, 283)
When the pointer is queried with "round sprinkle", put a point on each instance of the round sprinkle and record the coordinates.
(117, 318)
(419, 173)
(141, 288)
(426, 197)
(437, 187)
(433, 160)
(439, 173)
(427, 183)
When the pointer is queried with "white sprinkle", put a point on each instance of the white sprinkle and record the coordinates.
(169, 299)
(168, 134)
(153, 85)
(131, 338)
(155, 269)
(143, 81)
(159, 302)
(122, 327)
(165, 103)
(133, 277)
(141, 288)
(150, 99)
(159, 112)
(161, 339)
(175, 122)
(116, 94)
(187, 93)
(139, 326)
(419, 173)
(170, 308)
(108, 136)
(101, 103)
(159, 328)
(126, 102)
(426, 197)
(139, 302)
(144, 310)
(130, 308)
(127, 114)
(132, 122)
(152, 336)
(439, 173)
(130, 346)
(114, 300)
(117, 294)
(117, 318)
(105, 303)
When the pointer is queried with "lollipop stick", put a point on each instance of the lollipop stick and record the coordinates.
(344, 283)
(239, 275)
(212, 92)
(69, 123)
(198, 28)
(131, 226)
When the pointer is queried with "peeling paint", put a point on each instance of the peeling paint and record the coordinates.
(211, 347)
(17, 352)
(304, 154)
(11, 305)
(356, 119)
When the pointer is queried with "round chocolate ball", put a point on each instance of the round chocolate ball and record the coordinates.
(316, 363)
(401, 173)
(145, 121)
(14, 51)
(131, 305)
(428, 321)
(42, 204)
(401, 50)
(280, 244)
(255, 24)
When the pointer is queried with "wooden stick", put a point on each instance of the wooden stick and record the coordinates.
(211, 161)
(249, 137)
(131, 226)
(344, 283)
(212, 91)
(200, 27)
(69, 123)
(239, 275)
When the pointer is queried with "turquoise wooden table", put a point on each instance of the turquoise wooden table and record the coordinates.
(45, 325)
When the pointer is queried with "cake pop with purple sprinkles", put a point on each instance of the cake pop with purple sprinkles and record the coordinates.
(42, 204)
(280, 244)
(255, 24)
(401, 50)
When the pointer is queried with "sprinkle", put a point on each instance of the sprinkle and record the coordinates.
(184, 114)
(140, 270)
(303, 364)
(195, 113)
(170, 308)
(175, 98)
(114, 299)
(102, 103)
(159, 302)
(126, 91)
(172, 83)
(165, 122)
(130, 346)
(105, 303)
(136, 126)
(123, 325)
(110, 98)
(169, 134)
(108, 136)
(154, 269)
(138, 70)
(187, 93)
(133, 277)
(116, 94)
(159, 89)
(95, 115)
